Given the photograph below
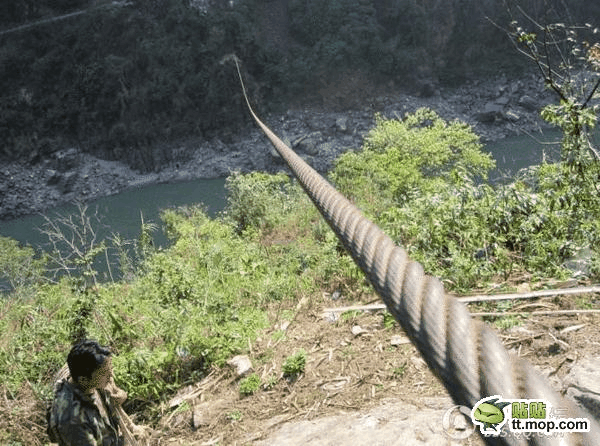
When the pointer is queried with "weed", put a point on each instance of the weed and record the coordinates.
(288, 315)
(389, 321)
(250, 384)
(272, 380)
(348, 352)
(349, 316)
(584, 303)
(398, 372)
(19, 266)
(506, 322)
(266, 355)
(278, 335)
(257, 200)
(294, 364)
(183, 407)
(234, 416)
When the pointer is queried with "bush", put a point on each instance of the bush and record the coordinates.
(294, 364)
(19, 265)
(250, 384)
(402, 159)
(262, 201)
(422, 180)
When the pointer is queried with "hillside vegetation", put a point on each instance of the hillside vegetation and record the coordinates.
(182, 311)
(128, 77)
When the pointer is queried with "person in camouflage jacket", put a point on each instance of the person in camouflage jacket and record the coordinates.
(83, 412)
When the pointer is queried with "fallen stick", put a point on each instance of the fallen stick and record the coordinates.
(327, 311)
(481, 298)
(355, 308)
(534, 313)
(531, 294)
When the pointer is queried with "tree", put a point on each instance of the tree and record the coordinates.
(568, 60)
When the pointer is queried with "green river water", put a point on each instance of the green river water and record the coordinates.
(121, 213)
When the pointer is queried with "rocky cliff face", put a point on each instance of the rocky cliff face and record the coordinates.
(162, 78)
(495, 108)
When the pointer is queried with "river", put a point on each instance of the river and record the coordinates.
(121, 213)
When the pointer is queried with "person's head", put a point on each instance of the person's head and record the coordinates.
(90, 365)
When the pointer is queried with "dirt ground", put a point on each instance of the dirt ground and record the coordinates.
(360, 386)
(366, 386)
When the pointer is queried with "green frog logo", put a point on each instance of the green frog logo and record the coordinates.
(488, 413)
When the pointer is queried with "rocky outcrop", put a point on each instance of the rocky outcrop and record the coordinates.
(495, 108)
(582, 384)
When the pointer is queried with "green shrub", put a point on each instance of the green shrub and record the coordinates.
(422, 180)
(19, 266)
(402, 159)
(35, 333)
(294, 364)
(258, 200)
(250, 384)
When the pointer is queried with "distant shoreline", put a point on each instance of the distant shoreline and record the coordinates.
(494, 108)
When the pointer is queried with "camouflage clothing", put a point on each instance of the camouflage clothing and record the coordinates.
(75, 419)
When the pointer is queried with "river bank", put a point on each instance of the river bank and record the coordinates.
(495, 108)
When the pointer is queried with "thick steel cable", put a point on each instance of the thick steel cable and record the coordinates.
(464, 353)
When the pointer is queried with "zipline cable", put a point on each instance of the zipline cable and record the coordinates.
(465, 354)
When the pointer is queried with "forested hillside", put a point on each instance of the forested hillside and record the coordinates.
(125, 76)
(236, 283)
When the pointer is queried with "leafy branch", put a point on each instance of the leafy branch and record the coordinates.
(568, 60)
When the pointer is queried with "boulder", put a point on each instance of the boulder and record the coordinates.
(512, 116)
(399, 340)
(67, 159)
(502, 100)
(491, 112)
(357, 330)
(308, 143)
(341, 124)
(275, 157)
(516, 86)
(325, 149)
(67, 182)
(205, 413)
(529, 103)
(54, 177)
(582, 384)
(242, 364)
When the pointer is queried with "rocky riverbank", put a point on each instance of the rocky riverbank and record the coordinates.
(495, 108)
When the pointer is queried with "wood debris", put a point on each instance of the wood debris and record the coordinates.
(327, 312)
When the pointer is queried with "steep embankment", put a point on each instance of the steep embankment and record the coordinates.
(122, 82)
(495, 108)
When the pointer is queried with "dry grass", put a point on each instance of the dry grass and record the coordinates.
(344, 371)
(23, 420)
